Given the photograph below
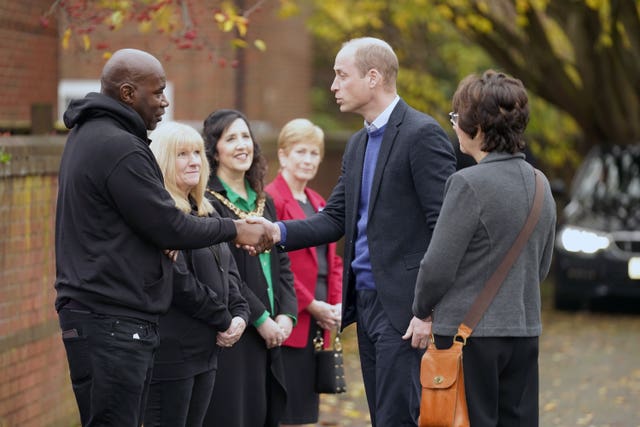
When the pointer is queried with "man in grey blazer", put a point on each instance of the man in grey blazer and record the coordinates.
(386, 204)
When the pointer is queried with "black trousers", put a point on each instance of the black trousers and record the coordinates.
(110, 361)
(390, 366)
(179, 403)
(501, 380)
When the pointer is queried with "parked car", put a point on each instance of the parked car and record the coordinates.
(597, 250)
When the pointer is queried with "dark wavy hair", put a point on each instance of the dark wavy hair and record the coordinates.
(214, 126)
(496, 104)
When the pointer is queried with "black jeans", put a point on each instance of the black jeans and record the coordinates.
(500, 380)
(180, 403)
(110, 361)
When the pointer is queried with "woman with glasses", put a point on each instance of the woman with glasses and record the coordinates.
(484, 209)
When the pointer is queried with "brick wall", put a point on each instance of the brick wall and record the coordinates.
(29, 52)
(34, 380)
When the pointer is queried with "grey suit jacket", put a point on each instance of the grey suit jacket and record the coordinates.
(484, 209)
(414, 162)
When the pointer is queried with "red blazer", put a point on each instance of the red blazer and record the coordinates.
(304, 263)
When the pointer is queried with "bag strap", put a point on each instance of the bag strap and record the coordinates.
(483, 300)
(318, 341)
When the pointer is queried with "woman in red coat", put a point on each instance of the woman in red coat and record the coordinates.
(317, 270)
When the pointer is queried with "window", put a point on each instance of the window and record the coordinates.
(69, 89)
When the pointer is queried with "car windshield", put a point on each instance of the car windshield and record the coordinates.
(608, 186)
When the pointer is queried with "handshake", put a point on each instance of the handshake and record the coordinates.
(256, 234)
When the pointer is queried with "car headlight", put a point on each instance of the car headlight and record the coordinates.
(581, 240)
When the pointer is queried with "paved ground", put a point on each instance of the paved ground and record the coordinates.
(589, 371)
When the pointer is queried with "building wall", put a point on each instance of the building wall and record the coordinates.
(277, 82)
(34, 381)
(28, 70)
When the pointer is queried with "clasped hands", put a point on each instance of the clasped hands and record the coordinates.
(327, 316)
(275, 331)
(256, 234)
(232, 334)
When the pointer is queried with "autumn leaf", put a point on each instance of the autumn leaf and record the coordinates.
(116, 19)
(241, 24)
(260, 45)
(239, 43)
(65, 38)
(86, 42)
(227, 26)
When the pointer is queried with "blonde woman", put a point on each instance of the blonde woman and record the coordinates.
(317, 270)
(186, 362)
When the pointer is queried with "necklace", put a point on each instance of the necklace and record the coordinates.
(259, 210)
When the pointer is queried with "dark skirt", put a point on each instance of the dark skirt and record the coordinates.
(249, 389)
(300, 367)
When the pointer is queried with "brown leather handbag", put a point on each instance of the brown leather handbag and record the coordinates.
(443, 402)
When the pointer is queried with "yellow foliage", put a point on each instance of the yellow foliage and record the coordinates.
(227, 26)
(86, 42)
(167, 18)
(522, 21)
(121, 5)
(65, 38)
(107, 55)
(483, 7)
(461, 23)
(241, 24)
(445, 11)
(573, 74)
(288, 8)
(260, 45)
(480, 23)
(539, 4)
(624, 36)
(116, 19)
(145, 27)
(595, 4)
(605, 40)
(522, 6)
(560, 43)
(239, 43)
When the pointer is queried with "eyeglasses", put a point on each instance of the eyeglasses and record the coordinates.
(453, 118)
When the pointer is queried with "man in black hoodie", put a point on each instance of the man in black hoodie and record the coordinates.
(114, 219)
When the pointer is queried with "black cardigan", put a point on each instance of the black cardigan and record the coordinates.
(285, 301)
(187, 345)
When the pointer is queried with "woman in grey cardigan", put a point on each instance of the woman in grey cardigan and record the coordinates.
(484, 208)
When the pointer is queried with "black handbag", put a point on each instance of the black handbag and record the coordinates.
(329, 366)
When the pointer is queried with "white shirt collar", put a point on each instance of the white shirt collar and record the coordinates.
(383, 118)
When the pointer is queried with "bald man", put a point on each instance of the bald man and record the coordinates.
(114, 219)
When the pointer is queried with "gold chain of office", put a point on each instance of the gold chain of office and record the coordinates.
(258, 211)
